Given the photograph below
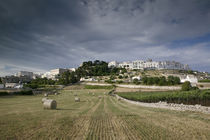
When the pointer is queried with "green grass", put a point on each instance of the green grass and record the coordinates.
(97, 87)
(205, 81)
(186, 97)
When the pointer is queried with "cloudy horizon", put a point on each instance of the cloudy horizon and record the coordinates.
(39, 35)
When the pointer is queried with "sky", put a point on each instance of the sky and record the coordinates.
(39, 35)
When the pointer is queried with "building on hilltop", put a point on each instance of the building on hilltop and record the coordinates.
(113, 64)
(53, 74)
(25, 73)
(149, 64)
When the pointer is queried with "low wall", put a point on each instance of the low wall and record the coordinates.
(171, 106)
(139, 86)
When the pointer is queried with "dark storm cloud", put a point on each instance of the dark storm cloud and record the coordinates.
(44, 34)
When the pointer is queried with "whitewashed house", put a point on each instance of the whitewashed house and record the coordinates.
(87, 79)
(136, 77)
(11, 85)
(191, 78)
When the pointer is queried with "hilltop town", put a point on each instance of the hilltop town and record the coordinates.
(124, 72)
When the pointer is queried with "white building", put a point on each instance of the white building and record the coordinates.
(58, 71)
(53, 73)
(72, 69)
(140, 64)
(136, 77)
(113, 64)
(191, 78)
(126, 65)
(25, 73)
(87, 79)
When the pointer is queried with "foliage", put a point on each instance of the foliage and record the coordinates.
(97, 87)
(161, 81)
(4, 93)
(0, 81)
(97, 68)
(187, 97)
(205, 81)
(120, 77)
(136, 81)
(23, 92)
(119, 81)
(68, 78)
(39, 83)
(186, 86)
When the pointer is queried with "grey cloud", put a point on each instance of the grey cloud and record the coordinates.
(44, 34)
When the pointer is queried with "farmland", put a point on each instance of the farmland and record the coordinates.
(187, 97)
(23, 117)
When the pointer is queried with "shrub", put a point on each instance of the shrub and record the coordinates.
(120, 77)
(186, 86)
(24, 92)
(136, 81)
(4, 93)
(120, 81)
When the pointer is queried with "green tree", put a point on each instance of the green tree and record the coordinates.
(186, 86)
(136, 81)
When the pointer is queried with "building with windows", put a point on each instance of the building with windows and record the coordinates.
(149, 64)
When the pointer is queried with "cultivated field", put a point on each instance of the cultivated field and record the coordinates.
(23, 117)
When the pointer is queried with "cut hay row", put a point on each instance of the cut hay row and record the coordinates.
(80, 127)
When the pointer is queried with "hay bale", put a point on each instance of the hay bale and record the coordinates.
(99, 97)
(75, 94)
(56, 93)
(77, 99)
(44, 99)
(50, 104)
(93, 94)
(45, 95)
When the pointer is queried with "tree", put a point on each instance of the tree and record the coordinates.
(0, 81)
(186, 86)
(162, 81)
(136, 81)
(68, 78)
(120, 77)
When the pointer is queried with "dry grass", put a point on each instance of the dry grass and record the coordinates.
(23, 117)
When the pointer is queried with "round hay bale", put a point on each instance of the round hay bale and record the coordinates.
(45, 95)
(77, 99)
(50, 104)
(99, 97)
(93, 94)
(44, 99)
(56, 93)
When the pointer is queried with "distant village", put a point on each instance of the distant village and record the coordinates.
(149, 64)
(17, 80)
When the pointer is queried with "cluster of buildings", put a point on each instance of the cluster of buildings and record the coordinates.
(149, 64)
(17, 80)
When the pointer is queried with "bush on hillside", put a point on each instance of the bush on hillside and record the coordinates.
(186, 86)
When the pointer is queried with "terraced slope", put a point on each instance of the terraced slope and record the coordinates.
(22, 117)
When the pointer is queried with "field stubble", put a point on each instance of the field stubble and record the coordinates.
(94, 118)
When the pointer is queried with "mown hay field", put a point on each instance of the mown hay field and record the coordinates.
(105, 118)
